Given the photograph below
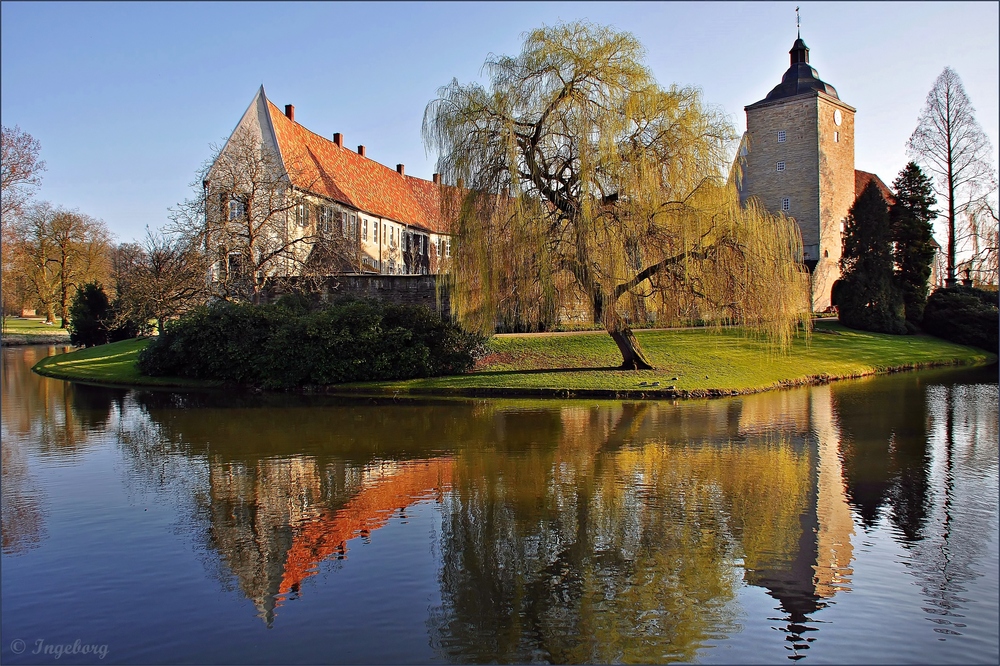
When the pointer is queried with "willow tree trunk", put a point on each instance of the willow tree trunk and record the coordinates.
(633, 358)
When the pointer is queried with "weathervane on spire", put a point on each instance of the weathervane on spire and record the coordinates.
(798, 24)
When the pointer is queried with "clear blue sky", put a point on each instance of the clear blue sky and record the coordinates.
(126, 98)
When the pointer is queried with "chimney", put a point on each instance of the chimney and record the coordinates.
(436, 178)
(338, 139)
(401, 170)
(361, 151)
(290, 112)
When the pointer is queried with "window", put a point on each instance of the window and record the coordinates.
(447, 247)
(343, 223)
(326, 219)
(302, 214)
(420, 244)
(781, 136)
(781, 165)
(237, 210)
(786, 204)
(836, 137)
(353, 226)
(364, 230)
(826, 253)
(375, 232)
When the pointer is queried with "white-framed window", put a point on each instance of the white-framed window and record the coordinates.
(447, 247)
(343, 222)
(781, 136)
(302, 214)
(786, 204)
(836, 137)
(326, 219)
(781, 165)
(353, 226)
(237, 209)
(374, 232)
(364, 230)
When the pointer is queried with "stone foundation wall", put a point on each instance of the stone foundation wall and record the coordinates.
(402, 289)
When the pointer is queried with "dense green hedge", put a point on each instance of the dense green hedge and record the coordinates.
(289, 344)
(964, 315)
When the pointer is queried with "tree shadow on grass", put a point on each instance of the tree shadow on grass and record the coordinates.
(538, 371)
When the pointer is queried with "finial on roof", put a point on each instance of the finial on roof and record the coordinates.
(798, 24)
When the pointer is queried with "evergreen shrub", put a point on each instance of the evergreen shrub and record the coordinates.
(91, 316)
(965, 315)
(291, 344)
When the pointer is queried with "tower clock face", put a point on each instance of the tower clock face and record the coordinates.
(838, 117)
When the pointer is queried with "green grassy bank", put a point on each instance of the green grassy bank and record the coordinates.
(32, 331)
(690, 363)
(113, 363)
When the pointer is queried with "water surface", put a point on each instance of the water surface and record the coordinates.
(850, 523)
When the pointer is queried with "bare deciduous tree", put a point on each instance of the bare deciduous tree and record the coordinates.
(162, 278)
(253, 224)
(20, 174)
(951, 144)
(56, 251)
(582, 170)
(20, 168)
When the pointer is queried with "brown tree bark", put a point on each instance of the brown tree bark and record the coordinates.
(633, 358)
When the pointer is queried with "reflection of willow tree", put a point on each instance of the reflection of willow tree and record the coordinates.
(591, 550)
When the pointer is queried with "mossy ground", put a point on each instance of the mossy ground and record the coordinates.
(688, 363)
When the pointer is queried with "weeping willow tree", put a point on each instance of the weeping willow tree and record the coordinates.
(581, 174)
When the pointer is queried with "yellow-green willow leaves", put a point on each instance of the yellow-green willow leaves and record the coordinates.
(584, 180)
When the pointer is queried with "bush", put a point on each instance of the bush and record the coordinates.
(287, 344)
(88, 313)
(965, 315)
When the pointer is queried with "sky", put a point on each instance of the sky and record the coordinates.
(127, 99)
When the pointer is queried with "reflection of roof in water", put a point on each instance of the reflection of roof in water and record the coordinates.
(370, 509)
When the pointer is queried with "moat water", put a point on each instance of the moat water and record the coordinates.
(855, 522)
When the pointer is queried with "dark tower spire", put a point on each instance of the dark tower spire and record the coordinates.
(798, 24)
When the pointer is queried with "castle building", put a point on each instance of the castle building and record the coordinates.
(798, 158)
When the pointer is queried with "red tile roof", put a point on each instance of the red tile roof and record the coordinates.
(318, 165)
(861, 180)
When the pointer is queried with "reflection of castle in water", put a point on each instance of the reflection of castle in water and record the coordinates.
(821, 564)
(274, 521)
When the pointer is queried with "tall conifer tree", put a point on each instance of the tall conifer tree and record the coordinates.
(867, 296)
(913, 250)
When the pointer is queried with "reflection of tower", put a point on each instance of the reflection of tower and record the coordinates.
(834, 551)
(819, 566)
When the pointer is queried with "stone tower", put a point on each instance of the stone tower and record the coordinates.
(798, 158)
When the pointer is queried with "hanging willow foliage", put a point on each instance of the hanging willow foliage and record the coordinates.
(582, 178)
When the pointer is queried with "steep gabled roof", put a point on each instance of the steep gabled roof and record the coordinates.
(318, 165)
(861, 180)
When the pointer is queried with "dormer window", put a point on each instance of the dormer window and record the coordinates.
(781, 165)
(786, 204)
(781, 136)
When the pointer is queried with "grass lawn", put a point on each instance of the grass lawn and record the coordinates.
(114, 363)
(28, 331)
(690, 363)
